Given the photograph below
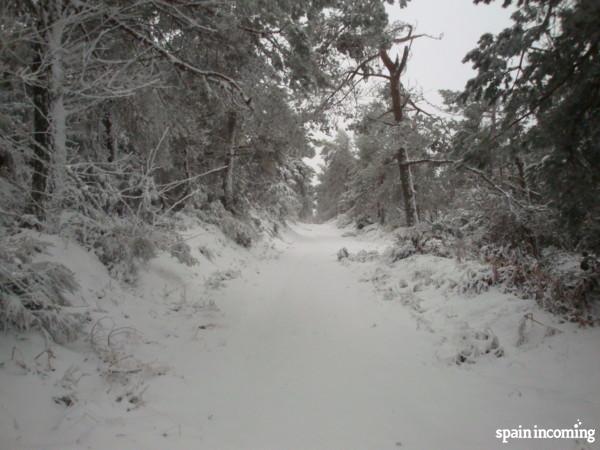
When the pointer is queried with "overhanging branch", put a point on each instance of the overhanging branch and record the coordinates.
(178, 61)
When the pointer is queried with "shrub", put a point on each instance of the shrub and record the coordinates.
(425, 239)
(573, 294)
(183, 253)
(234, 228)
(122, 249)
(32, 293)
(121, 244)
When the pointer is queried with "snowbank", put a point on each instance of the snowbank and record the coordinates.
(53, 396)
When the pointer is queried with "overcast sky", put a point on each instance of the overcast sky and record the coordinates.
(434, 64)
(437, 64)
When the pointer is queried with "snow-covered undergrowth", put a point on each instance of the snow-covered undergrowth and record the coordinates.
(473, 316)
(564, 283)
(84, 341)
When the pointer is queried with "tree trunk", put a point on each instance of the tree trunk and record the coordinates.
(111, 141)
(490, 162)
(41, 153)
(380, 205)
(58, 113)
(521, 177)
(228, 176)
(380, 213)
(398, 103)
(408, 191)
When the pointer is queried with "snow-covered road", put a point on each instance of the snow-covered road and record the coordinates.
(296, 353)
(310, 358)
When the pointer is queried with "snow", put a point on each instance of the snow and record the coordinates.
(285, 347)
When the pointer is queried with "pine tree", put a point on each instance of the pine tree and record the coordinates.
(543, 71)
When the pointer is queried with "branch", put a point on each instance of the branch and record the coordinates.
(167, 7)
(377, 75)
(384, 114)
(262, 33)
(348, 79)
(418, 109)
(404, 60)
(477, 172)
(395, 68)
(178, 62)
(387, 61)
(437, 162)
(493, 185)
(167, 187)
(416, 36)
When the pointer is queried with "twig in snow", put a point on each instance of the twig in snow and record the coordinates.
(529, 316)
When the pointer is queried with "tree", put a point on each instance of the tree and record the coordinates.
(374, 192)
(192, 87)
(335, 176)
(542, 71)
(399, 100)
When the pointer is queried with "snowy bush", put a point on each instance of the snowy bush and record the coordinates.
(234, 228)
(123, 249)
(363, 222)
(183, 253)
(529, 231)
(475, 280)
(342, 254)
(121, 244)
(361, 256)
(238, 231)
(473, 344)
(32, 293)
(399, 251)
(515, 259)
(343, 220)
(573, 294)
(425, 239)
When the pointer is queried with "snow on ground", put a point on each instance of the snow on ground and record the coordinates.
(284, 347)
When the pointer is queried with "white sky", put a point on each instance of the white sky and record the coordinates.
(434, 64)
(437, 64)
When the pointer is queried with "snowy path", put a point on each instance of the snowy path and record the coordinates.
(309, 358)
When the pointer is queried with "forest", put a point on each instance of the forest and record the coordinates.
(155, 151)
